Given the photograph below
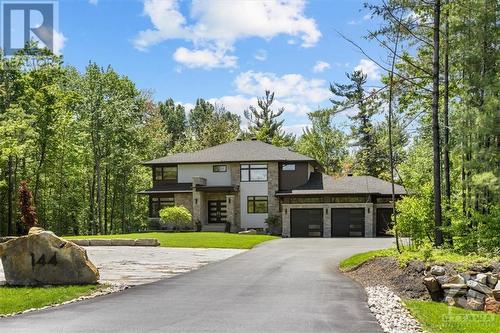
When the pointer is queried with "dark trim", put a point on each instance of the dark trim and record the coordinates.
(149, 164)
(253, 201)
(217, 188)
(219, 165)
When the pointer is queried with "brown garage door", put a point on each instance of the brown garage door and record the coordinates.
(348, 222)
(306, 222)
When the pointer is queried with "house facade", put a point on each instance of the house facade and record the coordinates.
(242, 183)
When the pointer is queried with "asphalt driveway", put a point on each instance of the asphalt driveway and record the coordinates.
(286, 285)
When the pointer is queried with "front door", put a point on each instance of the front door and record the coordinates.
(216, 211)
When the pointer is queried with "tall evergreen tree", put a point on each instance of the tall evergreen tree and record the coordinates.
(174, 117)
(264, 124)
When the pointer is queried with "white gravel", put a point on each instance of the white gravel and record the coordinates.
(391, 314)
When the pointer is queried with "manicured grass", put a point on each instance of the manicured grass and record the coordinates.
(442, 318)
(360, 258)
(437, 256)
(15, 299)
(195, 239)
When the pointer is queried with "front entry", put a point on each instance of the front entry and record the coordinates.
(216, 211)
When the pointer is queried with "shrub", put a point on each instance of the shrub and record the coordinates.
(274, 224)
(178, 216)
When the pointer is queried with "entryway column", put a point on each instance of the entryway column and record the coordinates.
(327, 223)
(369, 229)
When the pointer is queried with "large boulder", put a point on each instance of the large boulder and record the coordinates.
(42, 258)
(482, 288)
(437, 270)
(433, 288)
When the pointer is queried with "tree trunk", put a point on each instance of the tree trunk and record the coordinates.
(106, 185)
(10, 193)
(435, 127)
(446, 146)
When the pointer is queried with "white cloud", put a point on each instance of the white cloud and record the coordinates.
(293, 88)
(218, 25)
(367, 17)
(320, 66)
(204, 58)
(93, 2)
(261, 55)
(296, 129)
(58, 40)
(369, 68)
(352, 22)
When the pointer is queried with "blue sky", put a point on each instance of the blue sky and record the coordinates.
(226, 51)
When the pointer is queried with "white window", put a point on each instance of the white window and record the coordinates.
(288, 167)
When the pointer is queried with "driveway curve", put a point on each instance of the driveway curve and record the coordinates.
(286, 285)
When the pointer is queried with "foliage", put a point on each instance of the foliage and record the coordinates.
(441, 318)
(264, 124)
(324, 142)
(274, 224)
(16, 299)
(178, 216)
(28, 212)
(197, 239)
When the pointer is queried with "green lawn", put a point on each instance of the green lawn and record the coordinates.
(15, 299)
(442, 318)
(195, 239)
(437, 256)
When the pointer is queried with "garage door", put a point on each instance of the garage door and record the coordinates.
(306, 222)
(384, 222)
(348, 222)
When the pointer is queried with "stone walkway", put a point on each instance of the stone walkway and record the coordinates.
(132, 265)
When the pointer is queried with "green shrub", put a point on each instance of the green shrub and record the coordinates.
(274, 224)
(178, 216)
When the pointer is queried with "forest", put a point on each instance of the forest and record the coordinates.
(79, 137)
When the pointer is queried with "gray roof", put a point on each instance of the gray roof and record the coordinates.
(236, 151)
(319, 183)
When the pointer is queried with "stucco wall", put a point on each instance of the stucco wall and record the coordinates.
(252, 189)
(186, 172)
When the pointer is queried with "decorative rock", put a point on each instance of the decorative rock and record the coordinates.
(492, 305)
(475, 294)
(496, 294)
(460, 302)
(454, 286)
(248, 232)
(437, 270)
(477, 286)
(474, 304)
(99, 242)
(491, 280)
(43, 258)
(465, 276)
(455, 279)
(481, 278)
(497, 286)
(147, 242)
(122, 242)
(81, 242)
(433, 288)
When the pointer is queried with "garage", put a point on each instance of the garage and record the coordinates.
(306, 222)
(384, 222)
(348, 222)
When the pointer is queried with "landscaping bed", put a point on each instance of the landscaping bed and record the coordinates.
(192, 239)
(402, 275)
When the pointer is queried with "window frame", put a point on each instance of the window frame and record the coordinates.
(215, 166)
(156, 202)
(253, 199)
(284, 167)
(162, 173)
(248, 167)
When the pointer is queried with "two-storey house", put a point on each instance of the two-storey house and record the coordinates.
(244, 182)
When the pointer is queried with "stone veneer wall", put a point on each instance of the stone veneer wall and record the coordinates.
(273, 203)
(234, 168)
(184, 199)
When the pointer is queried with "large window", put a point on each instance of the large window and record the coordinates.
(157, 203)
(256, 205)
(288, 167)
(253, 172)
(168, 173)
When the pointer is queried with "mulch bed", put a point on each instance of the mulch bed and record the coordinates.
(406, 282)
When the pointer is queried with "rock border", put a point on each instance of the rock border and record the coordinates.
(390, 312)
(99, 292)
